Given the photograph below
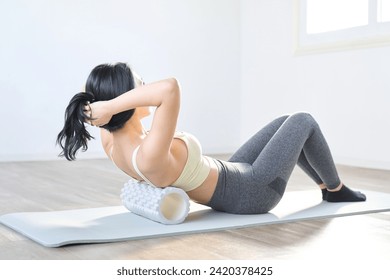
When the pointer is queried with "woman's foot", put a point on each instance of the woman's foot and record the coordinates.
(324, 193)
(343, 194)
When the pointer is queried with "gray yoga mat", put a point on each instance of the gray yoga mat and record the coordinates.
(116, 223)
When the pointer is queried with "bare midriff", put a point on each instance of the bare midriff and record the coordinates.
(205, 191)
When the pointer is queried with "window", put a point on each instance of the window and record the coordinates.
(383, 10)
(328, 25)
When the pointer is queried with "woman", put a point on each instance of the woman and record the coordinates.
(252, 181)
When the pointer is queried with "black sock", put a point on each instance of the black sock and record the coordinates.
(324, 193)
(345, 195)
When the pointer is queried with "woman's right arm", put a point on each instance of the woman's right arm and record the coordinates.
(165, 96)
(153, 94)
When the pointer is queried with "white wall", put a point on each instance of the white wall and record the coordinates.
(348, 92)
(49, 47)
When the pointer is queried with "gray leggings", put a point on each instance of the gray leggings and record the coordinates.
(255, 177)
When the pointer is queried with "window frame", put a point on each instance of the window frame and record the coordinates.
(375, 34)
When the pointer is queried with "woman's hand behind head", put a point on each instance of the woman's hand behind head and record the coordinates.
(99, 113)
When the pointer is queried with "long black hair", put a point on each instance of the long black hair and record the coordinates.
(105, 82)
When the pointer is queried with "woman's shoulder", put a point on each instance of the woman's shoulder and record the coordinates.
(183, 134)
(107, 141)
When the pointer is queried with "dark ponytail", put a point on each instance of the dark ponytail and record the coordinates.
(105, 82)
(74, 135)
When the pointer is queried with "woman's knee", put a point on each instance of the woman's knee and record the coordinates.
(303, 118)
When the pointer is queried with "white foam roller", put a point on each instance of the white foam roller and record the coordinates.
(168, 205)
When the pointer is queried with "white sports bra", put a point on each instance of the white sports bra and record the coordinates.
(196, 169)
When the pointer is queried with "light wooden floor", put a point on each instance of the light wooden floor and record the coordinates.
(61, 185)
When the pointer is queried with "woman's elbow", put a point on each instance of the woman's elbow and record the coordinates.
(173, 85)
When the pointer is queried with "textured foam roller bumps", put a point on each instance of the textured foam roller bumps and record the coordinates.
(168, 205)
